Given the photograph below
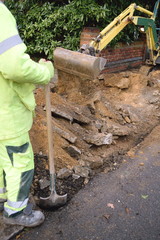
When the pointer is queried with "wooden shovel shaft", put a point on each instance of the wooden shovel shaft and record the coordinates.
(49, 130)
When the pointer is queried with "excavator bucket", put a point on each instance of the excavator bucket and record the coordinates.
(79, 64)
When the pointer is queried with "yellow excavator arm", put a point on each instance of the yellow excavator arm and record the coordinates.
(87, 66)
(119, 23)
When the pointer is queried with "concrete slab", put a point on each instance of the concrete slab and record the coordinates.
(7, 231)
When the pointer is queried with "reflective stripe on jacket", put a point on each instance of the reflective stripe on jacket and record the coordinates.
(18, 76)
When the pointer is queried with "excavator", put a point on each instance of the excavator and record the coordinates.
(85, 63)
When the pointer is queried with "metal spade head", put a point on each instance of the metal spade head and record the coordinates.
(53, 201)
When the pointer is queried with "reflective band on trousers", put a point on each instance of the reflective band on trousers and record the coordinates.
(9, 43)
(2, 190)
(19, 204)
(14, 207)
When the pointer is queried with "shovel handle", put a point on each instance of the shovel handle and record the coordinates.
(49, 130)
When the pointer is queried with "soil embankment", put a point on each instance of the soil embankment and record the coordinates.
(94, 124)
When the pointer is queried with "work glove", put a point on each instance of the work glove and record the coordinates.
(49, 65)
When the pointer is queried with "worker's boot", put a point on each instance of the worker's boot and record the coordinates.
(31, 218)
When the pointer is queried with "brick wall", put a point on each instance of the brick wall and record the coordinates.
(122, 56)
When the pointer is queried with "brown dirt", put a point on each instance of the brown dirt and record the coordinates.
(125, 104)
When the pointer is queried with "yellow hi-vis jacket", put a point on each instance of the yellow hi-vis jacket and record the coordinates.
(18, 74)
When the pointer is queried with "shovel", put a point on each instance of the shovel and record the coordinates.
(54, 200)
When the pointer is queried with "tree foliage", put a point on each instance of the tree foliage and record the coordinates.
(44, 25)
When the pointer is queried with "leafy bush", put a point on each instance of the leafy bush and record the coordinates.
(44, 25)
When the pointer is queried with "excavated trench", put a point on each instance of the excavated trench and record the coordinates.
(95, 124)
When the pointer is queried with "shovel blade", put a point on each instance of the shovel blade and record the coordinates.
(54, 201)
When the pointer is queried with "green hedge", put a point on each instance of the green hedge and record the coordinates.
(44, 25)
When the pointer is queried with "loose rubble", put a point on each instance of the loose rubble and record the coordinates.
(94, 124)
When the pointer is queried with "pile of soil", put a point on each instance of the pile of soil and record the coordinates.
(94, 124)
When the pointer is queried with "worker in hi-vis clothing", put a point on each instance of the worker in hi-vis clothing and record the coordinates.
(18, 76)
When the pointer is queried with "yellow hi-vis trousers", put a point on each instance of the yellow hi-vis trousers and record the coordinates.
(16, 172)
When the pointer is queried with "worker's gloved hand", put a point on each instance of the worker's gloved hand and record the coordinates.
(49, 65)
